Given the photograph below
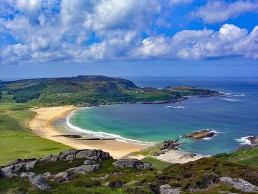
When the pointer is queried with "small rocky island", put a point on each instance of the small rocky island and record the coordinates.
(200, 135)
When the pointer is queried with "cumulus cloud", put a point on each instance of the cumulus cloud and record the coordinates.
(104, 30)
(220, 11)
(229, 40)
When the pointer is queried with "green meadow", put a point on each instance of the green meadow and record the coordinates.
(16, 139)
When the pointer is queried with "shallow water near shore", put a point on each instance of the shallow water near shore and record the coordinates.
(233, 116)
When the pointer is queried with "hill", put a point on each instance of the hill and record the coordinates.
(91, 90)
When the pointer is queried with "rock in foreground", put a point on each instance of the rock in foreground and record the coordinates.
(131, 163)
(240, 184)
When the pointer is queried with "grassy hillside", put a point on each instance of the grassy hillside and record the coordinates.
(88, 90)
(199, 177)
(16, 139)
(246, 157)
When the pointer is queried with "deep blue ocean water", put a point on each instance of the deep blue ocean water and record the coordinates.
(233, 116)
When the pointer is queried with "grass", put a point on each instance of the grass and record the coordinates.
(245, 157)
(158, 164)
(16, 139)
(57, 166)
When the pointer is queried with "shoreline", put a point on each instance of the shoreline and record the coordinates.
(41, 125)
(51, 123)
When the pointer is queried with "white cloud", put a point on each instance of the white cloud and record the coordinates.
(220, 11)
(202, 44)
(89, 30)
(29, 7)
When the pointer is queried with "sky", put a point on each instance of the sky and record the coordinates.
(54, 38)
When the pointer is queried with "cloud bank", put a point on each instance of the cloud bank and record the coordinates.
(41, 31)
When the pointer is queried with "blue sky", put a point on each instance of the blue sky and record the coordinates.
(45, 38)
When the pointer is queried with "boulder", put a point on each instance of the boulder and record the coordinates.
(37, 181)
(240, 184)
(166, 189)
(10, 174)
(8, 168)
(47, 175)
(19, 167)
(84, 168)
(70, 157)
(46, 158)
(64, 154)
(131, 163)
(93, 155)
(61, 177)
(30, 165)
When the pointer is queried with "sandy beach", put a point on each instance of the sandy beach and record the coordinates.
(41, 125)
(45, 124)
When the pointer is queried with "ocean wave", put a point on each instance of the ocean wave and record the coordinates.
(101, 134)
(244, 141)
(226, 93)
(231, 100)
(176, 107)
(239, 95)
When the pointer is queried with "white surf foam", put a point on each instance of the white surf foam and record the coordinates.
(100, 134)
(239, 95)
(244, 141)
(176, 107)
(231, 100)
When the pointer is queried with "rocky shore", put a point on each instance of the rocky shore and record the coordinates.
(253, 143)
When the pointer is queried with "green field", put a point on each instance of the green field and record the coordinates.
(16, 139)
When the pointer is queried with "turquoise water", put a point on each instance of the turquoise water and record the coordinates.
(233, 116)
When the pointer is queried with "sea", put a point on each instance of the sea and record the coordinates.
(232, 116)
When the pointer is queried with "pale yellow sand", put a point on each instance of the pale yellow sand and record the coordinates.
(41, 125)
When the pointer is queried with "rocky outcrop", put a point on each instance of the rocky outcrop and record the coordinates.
(131, 163)
(240, 184)
(170, 145)
(116, 184)
(166, 189)
(200, 135)
(21, 167)
(253, 143)
(253, 140)
(37, 181)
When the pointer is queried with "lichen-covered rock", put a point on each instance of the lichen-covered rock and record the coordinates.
(37, 181)
(131, 163)
(9, 174)
(166, 189)
(240, 184)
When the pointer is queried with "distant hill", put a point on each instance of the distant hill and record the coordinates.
(92, 90)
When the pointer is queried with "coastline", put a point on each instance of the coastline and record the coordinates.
(51, 123)
(42, 126)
